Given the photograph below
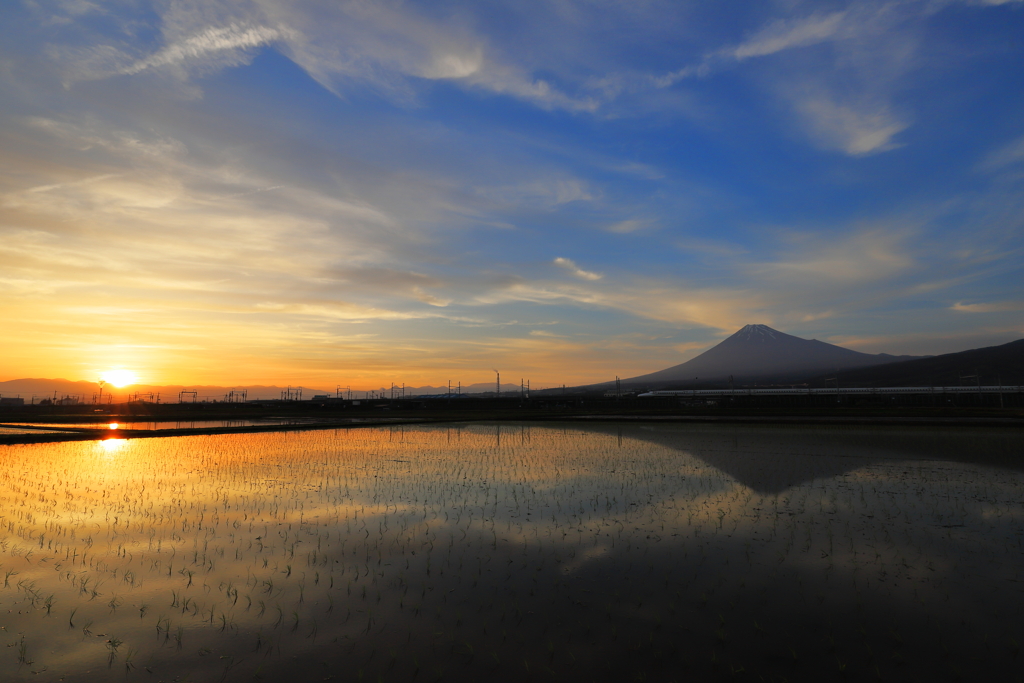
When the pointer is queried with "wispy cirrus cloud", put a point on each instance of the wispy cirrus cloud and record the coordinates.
(778, 36)
(388, 46)
(994, 307)
(785, 34)
(1007, 155)
(258, 217)
(570, 265)
(220, 45)
(856, 128)
(628, 226)
(859, 120)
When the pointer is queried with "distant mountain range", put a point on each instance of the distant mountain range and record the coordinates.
(992, 365)
(756, 353)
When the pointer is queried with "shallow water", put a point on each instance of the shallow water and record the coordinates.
(148, 426)
(515, 552)
(30, 427)
(5, 429)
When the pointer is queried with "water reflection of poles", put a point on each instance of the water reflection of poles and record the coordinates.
(497, 437)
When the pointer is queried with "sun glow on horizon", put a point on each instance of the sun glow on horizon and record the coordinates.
(119, 378)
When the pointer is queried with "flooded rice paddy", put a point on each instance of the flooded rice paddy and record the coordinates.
(155, 425)
(501, 552)
(15, 429)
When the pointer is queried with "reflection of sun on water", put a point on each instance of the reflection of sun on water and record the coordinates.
(111, 446)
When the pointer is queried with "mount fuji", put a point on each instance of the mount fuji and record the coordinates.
(757, 352)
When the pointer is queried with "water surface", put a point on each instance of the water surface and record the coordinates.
(152, 425)
(514, 553)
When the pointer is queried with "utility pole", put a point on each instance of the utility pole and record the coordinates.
(836, 380)
(497, 383)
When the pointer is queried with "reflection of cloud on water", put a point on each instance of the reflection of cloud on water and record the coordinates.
(303, 539)
(770, 459)
(583, 558)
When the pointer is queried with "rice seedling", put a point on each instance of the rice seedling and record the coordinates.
(407, 551)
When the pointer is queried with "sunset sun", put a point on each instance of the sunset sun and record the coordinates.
(119, 378)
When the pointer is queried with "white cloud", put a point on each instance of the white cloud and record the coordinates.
(571, 266)
(428, 298)
(844, 96)
(784, 34)
(627, 226)
(787, 34)
(550, 192)
(871, 255)
(336, 310)
(221, 46)
(996, 307)
(856, 129)
(387, 45)
(507, 80)
(1008, 155)
(453, 65)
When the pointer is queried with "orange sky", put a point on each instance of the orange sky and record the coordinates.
(315, 194)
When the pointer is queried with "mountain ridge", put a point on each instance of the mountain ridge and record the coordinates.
(758, 352)
(988, 365)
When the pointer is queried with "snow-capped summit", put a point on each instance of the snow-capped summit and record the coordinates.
(751, 332)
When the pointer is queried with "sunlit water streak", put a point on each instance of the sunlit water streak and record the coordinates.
(513, 552)
(166, 424)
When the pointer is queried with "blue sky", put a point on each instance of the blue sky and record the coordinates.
(366, 192)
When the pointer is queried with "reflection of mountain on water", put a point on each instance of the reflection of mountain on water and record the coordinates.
(771, 459)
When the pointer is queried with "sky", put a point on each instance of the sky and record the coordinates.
(360, 193)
